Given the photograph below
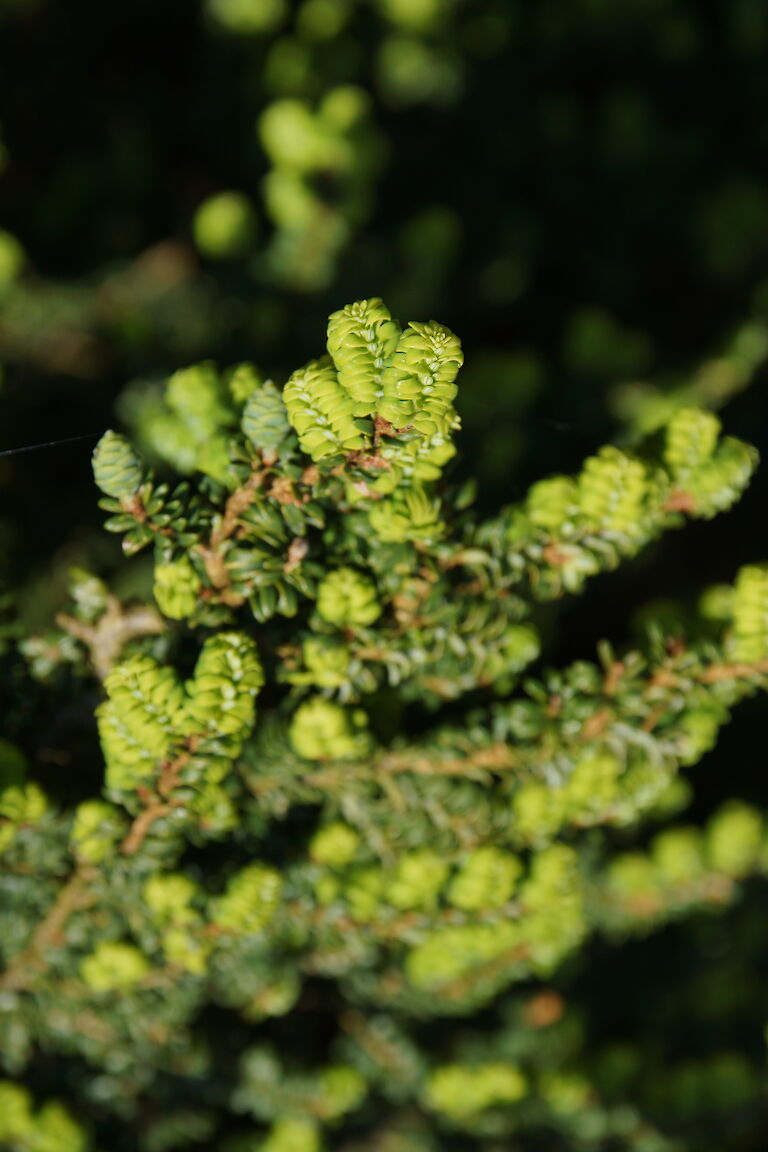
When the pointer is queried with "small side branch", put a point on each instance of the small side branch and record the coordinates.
(33, 959)
(106, 638)
(157, 804)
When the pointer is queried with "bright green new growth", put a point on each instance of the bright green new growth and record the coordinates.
(50, 1128)
(335, 845)
(460, 1092)
(150, 717)
(486, 879)
(177, 586)
(139, 720)
(96, 830)
(406, 379)
(357, 849)
(224, 225)
(362, 338)
(113, 967)
(227, 678)
(116, 467)
(324, 731)
(347, 599)
(321, 411)
(419, 381)
(306, 143)
(250, 901)
(265, 421)
(750, 614)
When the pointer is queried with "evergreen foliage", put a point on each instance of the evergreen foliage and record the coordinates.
(337, 920)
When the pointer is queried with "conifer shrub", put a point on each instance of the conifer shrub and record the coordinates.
(338, 829)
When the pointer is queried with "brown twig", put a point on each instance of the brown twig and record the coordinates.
(459, 987)
(236, 504)
(737, 671)
(678, 501)
(117, 625)
(379, 1047)
(392, 929)
(34, 958)
(215, 564)
(157, 804)
(134, 506)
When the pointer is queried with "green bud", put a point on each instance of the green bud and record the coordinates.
(486, 879)
(243, 381)
(327, 663)
(96, 829)
(222, 692)
(449, 953)
(594, 783)
(176, 589)
(553, 898)
(632, 875)
(537, 813)
(461, 1091)
(89, 593)
(275, 998)
(113, 967)
(718, 484)
(250, 900)
(749, 641)
(566, 1093)
(612, 491)
(364, 893)
(553, 503)
(322, 19)
(677, 855)
(347, 599)
(413, 15)
(54, 1130)
(716, 602)
(224, 225)
(734, 839)
(362, 338)
(292, 1134)
(341, 1089)
(16, 1120)
(116, 467)
(265, 420)
(321, 730)
(698, 731)
(23, 803)
(418, 385)
(321, 412)
(412, 515)
(169, 896)
(418, 880)
(247, 16)
(517, 648)
(140, 720)
(197, 395)
(691, 438)
(213, 808)
(186, 950)
(12, 259)
(334, 845)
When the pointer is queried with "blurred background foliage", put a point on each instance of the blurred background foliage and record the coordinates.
(579, 188)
